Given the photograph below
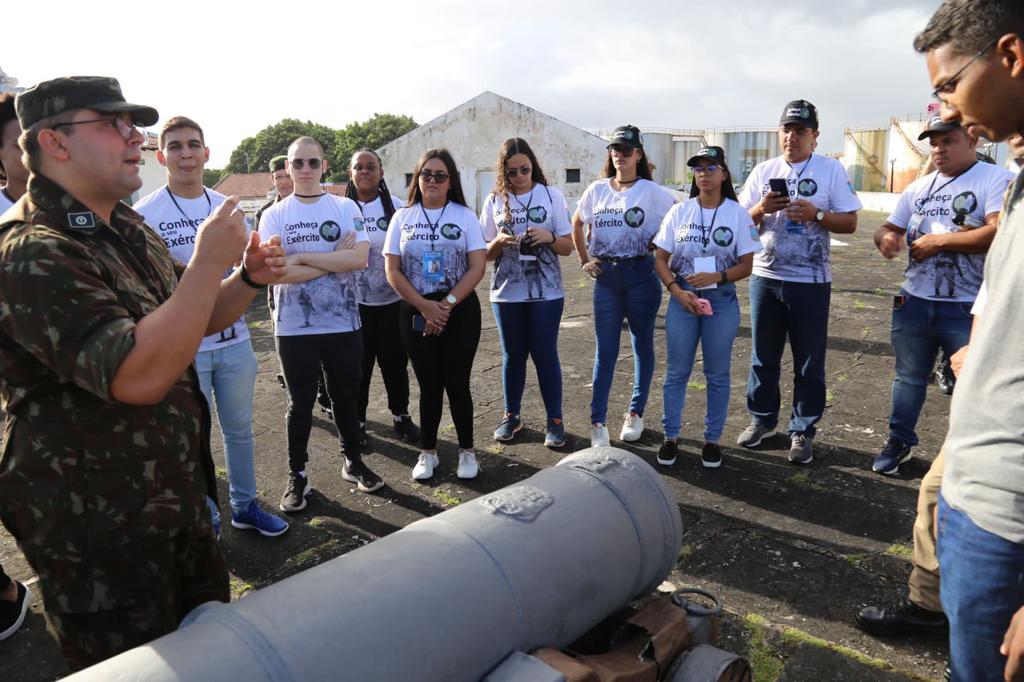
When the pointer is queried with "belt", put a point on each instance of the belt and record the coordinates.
(621, 259)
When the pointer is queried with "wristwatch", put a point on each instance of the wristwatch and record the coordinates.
(819, 216)
(451, 300)
(724, 279)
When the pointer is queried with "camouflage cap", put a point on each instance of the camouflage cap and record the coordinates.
(77, 92)
(277, 163)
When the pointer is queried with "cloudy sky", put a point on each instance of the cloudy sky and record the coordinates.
(593, 63)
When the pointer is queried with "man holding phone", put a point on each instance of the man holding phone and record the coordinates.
(796, 200)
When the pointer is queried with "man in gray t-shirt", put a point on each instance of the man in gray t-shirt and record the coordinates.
(973, 50)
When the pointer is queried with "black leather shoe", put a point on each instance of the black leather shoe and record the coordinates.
(902, 618)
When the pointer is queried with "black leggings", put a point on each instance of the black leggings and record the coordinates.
(301, 358)
(443, 364)
(4, 580)
(382, 344)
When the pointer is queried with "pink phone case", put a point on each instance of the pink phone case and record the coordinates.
(705, 306)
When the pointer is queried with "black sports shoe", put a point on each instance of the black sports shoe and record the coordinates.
(711, 456)
(888, 461)
(294, 498)
(900, 618)
(407, 429)
(363, 439)
(12, 613)
(667, 453)
(944, 378)
(359, 473)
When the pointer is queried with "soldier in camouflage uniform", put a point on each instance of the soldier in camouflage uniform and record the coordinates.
(106, 462)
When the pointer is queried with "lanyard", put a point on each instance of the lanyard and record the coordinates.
(705, 234)
(806, 164)
(433, 226)
(528, 204)
(209, 207)
(932, 191)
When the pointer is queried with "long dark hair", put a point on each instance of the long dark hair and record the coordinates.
(508, 149)
(728, 191)
(643, 169)
(454, 186)
(382, 187)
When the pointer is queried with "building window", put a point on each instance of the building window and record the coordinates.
(572, 175)
(408, 179)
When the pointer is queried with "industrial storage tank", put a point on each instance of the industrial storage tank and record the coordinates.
(658, 147)
(907, 155)
(865, 155)
(745, 148)
(684, 145)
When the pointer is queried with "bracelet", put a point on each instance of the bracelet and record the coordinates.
(244, 274)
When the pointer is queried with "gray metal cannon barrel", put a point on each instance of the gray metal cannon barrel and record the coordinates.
(446, 598)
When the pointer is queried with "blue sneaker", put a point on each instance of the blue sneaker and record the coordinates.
(256, 519)
(895, 453)
(554, 437)
(508, 428)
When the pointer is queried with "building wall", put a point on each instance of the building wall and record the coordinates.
(473, 131)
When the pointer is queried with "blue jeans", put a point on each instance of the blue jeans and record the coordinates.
(716, 335)
(798, 310)
(919, 328)
(530, 329)
(627, 290)
(982, 587)
(231, 374)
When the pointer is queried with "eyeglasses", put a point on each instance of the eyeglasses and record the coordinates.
(705, 170)
(621, 149)
(524, 171)
(438, 176)
(370, 167)
(949, 86)
(299, 163)
(125, 128)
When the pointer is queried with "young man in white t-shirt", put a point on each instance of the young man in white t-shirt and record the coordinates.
(226, 363)
(948, 218)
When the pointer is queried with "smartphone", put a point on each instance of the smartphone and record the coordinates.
(705, 306)
(779, 185)
(419, 323)
(527, 251)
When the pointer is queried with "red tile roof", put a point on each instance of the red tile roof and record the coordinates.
(253, 185)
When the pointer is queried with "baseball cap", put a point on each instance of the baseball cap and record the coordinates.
(937, 125)
(628, 136)
(714, 153)
(801, 112)
(277, 163)
(78, 92)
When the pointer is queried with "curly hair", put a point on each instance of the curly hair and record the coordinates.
(508, 149)
(969, 26)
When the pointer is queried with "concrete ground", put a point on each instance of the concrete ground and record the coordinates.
(792, 551)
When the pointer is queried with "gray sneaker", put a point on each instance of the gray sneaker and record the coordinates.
(801, 448)
(754, 434)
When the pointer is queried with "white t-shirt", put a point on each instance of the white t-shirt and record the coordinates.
(928, 206)
(536, 276)
(434, 244)
(373, 283)
(177, 219)
(622, 224)
(5, 201)
(327, 304)
(690, 232)
(799, 252)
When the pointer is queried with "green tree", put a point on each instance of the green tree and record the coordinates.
(253, 154)
(372, 133)
(211, 176)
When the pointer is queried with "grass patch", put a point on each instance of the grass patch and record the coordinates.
(312, 554)
(496, 449)
(901, 550)
(829, 396)
(696, 385)
(795, 637)
(842, 378)
(256, 324)
(859, 305)
(801, 479)
(765, 663)
(854, 560)
(239, 588)
(222, 473)
(317, 521)
(448, 428)
(686, 551)
(446, 498)
(881, 292)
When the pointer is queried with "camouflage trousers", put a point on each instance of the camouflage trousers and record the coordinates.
(189, 570)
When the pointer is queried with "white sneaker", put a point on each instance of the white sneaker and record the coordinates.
(424, 468)
(599, 436)
(632, 427)
(468, 468)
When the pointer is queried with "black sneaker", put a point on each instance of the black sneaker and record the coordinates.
(944, 378)
(888, 461)
(359, 473)
(407, 429)
(901, 618)
(12, 613)
(363, 439)
(294, 498)
(711, 456)
(667, 453)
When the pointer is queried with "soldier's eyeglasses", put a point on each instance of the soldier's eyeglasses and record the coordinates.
(125, 128)
(439, 176)
(512, 172)
(299, 163)
(949, 86)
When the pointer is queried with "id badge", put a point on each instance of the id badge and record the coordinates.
(914, 227)
(705, 264)
(433, 266)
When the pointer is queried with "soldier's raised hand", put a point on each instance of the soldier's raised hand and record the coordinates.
(222, 237)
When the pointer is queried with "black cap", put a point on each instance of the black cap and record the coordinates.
(713, 153)
(78, 92)
(937, 125)
(801, 112)
(277, 163)
(627, 136)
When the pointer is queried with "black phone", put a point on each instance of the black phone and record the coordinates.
(526, 247)
(419, 323)
(779, 185)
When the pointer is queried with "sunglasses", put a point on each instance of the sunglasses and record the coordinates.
(299, 163)
(705, 170)
(621, 149)
(438, 176)
(524, 171)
